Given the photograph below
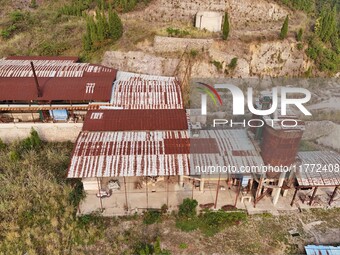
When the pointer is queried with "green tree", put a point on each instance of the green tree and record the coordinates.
(299, 35)
(284, 29)
(326, 27)
(226, 27)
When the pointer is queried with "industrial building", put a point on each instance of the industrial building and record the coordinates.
(49, 89)
(140, 144)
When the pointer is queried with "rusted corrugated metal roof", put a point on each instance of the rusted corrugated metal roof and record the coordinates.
(235, 149)
(318, 168)
(135, 120)
(60, 58)
(58, 80)
(108, 154)
(137, 91)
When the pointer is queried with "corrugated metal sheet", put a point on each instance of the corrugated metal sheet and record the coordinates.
(137, 91)
(312, 175)
(235, 149)
(60, 58)
(58, 80)
(135, 120)
(322, 250)
(107, 154)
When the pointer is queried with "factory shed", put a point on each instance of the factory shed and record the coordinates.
(145, 92)
(317, 170)
(32, 87)
(135, 120)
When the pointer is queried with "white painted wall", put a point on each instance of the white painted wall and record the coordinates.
(211, 21)
(51, 132)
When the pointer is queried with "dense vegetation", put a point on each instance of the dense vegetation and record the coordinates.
(37, 204)
(102, 29)
(323, 37)
(62, 27)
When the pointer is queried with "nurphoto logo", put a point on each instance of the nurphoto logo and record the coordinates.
(239, 99)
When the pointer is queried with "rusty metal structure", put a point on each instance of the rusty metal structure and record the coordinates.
(38, 85)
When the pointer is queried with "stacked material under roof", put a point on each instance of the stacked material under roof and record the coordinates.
(318, 168)
(138, 91)
(218, 148)
(147, 136)
(59, 78)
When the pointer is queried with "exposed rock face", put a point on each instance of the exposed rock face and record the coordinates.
(241, 13)
(277, 58)
(140, 62)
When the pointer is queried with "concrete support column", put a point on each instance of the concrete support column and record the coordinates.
(289, 181)
(277, 191)
(181, 180)
(202, 185)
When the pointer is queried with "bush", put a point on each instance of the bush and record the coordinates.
(217, 64)
(233, 63)
(151, 217)
(188, 208)
(284, 29)
(299, 35)
(2, 145)
(214, 221)
(151, 249)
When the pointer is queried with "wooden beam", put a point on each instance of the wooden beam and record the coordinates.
(294, 196)
(217, 189)
(333, 195)
(313, 195)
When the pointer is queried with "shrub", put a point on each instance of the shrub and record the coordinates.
(299, 35)
(214, 221)
(188, 208)
(164, 209)
(151, 217)
(217, 64)
(233, 63)
(226, 27)
(284, 29)
(2, 145)
(151, 249)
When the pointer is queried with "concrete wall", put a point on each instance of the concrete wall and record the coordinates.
(172, 44)
(140, 62)
(51, 132)
(211, 21)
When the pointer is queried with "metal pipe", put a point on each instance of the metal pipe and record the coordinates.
(126, 199)
(147, 194)
(100, 197)
(36, 80)
(167, 192)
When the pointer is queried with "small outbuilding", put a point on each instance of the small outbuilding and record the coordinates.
(211, 21)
